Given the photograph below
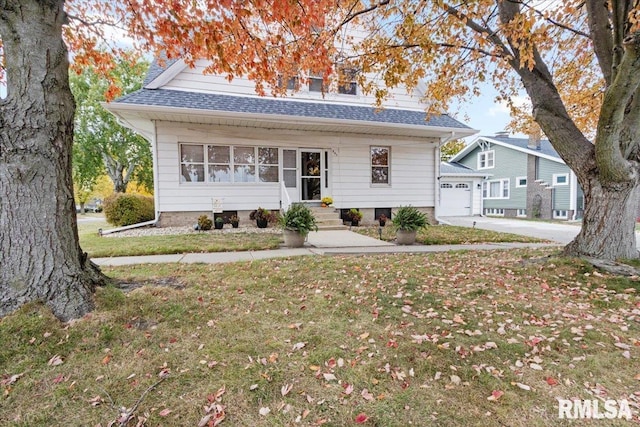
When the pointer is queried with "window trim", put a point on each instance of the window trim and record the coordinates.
(487, 155)
(557, 214)
(388, 166)
(558, 175)
(505, 184)
(520, 178)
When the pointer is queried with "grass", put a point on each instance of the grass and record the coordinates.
(213, 241)
(403, 339)
(449, 235)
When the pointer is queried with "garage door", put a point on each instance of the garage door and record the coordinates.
(455, 199)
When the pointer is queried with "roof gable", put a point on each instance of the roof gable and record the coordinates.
(546, 150)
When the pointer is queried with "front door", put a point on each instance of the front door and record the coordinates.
(311, 175)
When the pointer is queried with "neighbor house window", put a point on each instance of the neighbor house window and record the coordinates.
(191, 163)
(316, 84)
(486, 159)
(224, 163)
(521, 213)
(497, 189)
(560, 179)
(560, 214)
(380, 165)
(292, 83)
(521, 181)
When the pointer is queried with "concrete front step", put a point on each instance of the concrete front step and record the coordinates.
(328, 218)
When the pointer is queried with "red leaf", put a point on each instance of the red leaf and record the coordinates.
(361, 418)
(551, 381)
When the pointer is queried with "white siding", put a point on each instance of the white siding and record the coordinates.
(412, 171)
(193, 80)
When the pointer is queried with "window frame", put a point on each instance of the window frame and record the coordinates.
(505, 184)
(232, 164)
(387, 166)
(518, 181)
(560, 175)
(488, 156)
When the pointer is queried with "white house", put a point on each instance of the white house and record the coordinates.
(218, 144)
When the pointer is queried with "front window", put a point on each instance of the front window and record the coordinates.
(498, 189)
(380, 165)
(521, 181)
(191, 163)
(347, 83)
(486, 159)
(224, 163)
(316, 84)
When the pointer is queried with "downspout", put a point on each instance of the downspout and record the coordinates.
(443, 140)
(573, 194)
(156, 196)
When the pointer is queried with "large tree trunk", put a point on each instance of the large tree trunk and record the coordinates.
(39, 250)
(608, 226)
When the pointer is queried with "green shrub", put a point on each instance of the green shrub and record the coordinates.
(126, 209)
(204, 223)
(299, 218)
(409, 218)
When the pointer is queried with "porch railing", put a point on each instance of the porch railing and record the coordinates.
(285, 200)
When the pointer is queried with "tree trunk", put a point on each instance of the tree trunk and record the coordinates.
(608, 225)
(41, 257)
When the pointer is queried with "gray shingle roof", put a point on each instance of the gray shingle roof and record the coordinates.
(545, 145)
(155, 69)
(447, 168)
(276, 106)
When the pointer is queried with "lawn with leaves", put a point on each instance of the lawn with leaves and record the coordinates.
(448, 235)
(450, 339)
(212, 241)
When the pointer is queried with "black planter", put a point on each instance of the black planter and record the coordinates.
(235, 224)
(355, 222)
(262, 223)
(218, 225)
(382, 223)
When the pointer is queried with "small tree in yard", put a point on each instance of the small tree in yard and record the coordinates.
(577, 60)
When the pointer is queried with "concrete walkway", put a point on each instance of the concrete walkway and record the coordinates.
(333, 242)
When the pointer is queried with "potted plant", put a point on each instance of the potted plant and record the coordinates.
(235, 222)
(204, 223)
(326, 201)
(262, 217)
(407, 221)
(219, 223)
(382, 220)
(297, 222)
(355, 216)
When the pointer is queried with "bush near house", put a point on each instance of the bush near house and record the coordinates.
(126, 209)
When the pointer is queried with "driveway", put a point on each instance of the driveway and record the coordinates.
(556, 232)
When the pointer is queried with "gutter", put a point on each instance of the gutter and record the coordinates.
(156, 198)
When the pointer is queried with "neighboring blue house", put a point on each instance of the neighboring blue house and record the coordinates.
(524, 178)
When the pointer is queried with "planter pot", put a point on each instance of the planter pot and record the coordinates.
(218, 225)
(262, 223)
(235, 224)
(382, 223)
(354, 223)
(294, 239)
(405, 237)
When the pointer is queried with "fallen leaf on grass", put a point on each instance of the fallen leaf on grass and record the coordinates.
(522, 386)
(12, 379)
(361, 418)
(264, 411)
(285, 389)
(366, 395)
(165, 412)
(329, 377)
(551, 381)
(495, 395)
(55, 360)
(298, 346)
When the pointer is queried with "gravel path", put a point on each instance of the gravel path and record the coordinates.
(169, 231)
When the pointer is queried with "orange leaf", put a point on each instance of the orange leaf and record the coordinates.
(361, 418)
(106, 359)
(551, 381)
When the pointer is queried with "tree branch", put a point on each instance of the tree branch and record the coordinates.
(618, 97)
(556, 23)
(601, 37)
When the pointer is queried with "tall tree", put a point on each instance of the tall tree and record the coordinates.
(41, 257)
(577, 60)
(100, 143)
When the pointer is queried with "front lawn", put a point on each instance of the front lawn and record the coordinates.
(487, 338)
(212, 241)
(448, 235)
